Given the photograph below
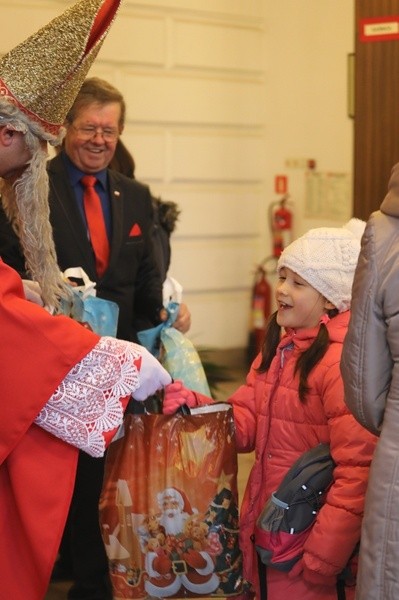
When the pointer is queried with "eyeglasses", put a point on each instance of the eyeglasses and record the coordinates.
(88, 132)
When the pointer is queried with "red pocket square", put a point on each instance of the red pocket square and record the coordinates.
(135, 230)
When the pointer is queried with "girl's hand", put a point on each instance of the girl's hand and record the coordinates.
(175, 396)
(300, 569)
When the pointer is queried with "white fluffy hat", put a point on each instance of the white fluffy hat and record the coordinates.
(326, 258)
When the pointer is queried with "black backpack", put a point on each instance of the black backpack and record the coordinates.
(287, 517)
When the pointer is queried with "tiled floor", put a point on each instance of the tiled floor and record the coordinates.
(58, 591)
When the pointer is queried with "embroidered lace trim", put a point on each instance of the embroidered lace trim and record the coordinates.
(87, 402)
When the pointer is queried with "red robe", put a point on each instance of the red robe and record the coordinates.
(37, 470)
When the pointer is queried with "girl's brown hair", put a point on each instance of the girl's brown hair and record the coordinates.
(307, 359)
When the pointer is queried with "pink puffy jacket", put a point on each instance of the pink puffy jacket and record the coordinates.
(272, 421)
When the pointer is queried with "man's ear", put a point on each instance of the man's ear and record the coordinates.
(6, 135)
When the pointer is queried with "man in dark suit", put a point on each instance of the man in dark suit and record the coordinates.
(132, 278)
(129, 277)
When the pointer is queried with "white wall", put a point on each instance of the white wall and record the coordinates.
(307, 45)
(306, 107)
(220, 94)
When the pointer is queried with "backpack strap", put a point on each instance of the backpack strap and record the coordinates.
(341, 595)
(263, 580)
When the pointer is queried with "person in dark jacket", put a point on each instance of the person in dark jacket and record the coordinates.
(166, 212)
(131, 279)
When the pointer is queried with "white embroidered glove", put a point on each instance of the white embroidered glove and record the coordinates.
(152, 375)
(87, 407)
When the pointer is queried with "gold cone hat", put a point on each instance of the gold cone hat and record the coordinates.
(43, 74)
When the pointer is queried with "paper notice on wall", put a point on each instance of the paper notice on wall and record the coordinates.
(327, 195)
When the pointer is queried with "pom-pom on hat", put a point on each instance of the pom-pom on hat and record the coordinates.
(326, 258)
(43, 74)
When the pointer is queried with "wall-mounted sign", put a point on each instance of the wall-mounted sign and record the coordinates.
(378, 29)
(281, 184)
(327, 195)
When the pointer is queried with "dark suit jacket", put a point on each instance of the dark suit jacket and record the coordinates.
(132, 279)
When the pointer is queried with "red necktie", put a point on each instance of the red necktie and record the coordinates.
(95, 223)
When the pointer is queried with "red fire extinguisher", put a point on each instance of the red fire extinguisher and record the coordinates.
(280, 219)
(280, 225)
(261, 307)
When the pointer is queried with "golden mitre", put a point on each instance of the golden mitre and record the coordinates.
(43, 74)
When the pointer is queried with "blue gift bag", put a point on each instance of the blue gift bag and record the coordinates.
(176, 352)
(84, 306)
(101, 315)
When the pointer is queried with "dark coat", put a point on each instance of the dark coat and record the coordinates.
(165, 216)
(132, 279)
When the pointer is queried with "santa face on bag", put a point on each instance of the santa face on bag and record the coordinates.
(175, 511)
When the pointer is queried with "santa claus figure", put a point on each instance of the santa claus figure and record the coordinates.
(178, 563)
(175, 510)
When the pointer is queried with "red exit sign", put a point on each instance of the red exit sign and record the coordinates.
(378, 29)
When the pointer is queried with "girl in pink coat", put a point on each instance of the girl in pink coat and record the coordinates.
(292, 400)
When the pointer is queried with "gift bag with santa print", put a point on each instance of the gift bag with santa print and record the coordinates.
(169, 506)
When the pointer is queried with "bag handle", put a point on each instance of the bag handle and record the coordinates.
(172, 309)
(341, 594)
(88, 287)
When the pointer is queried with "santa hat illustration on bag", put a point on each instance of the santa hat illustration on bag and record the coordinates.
(179, 496)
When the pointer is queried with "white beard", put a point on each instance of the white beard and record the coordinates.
(173, 523)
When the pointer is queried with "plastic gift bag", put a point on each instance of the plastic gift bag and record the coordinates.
(100, 314)
(169, 506)
(172, 291)
(176, 352)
